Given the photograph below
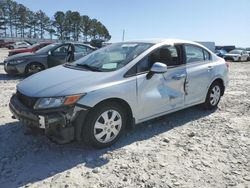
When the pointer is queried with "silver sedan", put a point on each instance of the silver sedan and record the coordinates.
(97, 96)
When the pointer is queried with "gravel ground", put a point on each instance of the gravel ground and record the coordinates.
(190, 148)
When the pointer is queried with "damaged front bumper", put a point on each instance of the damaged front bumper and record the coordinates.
(62, 125)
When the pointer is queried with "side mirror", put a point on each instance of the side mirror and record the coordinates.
(157, 68)
(49, 53)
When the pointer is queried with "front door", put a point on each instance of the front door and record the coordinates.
(163, 92)
(58, 56)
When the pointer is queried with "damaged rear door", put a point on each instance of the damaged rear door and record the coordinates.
(165, 91)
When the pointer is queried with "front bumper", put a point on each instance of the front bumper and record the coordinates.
(61, 125)
(18, 69)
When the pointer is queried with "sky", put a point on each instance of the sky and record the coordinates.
(225, 22)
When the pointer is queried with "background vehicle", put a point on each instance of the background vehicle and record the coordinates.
(236, 55)
(248, 51)
(6, 44)
(32, 48)
(18, 45)
(48, 56)
(1, 43)
(220, 53)
(95, 97)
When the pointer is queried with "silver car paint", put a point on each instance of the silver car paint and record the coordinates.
(176, 89)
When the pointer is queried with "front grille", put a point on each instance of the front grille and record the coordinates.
(26, 100)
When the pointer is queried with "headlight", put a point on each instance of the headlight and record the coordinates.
(54, 102)
(14, 62)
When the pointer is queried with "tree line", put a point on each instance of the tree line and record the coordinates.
(16, 20)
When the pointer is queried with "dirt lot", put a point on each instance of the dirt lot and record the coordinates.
(190, 148)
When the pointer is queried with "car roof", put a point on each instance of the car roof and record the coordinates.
(166, 41)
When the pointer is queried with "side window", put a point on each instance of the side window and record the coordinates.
(193, 54)
(206, 55)
(62, 50)
(80, 48)
(143, 65)
(196, 54)
(170, 55)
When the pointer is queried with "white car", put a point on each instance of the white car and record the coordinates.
(236, 55)
(248, 51)
(17, 45)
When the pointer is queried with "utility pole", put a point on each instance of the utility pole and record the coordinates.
(123, 34)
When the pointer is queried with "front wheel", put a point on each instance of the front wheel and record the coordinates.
(104, 125)
(33, 68)
(213, 96)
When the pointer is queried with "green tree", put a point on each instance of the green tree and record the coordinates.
(76, 23)
(59, 24)
(85, 26)
(22, 19)
(3, 17)
(42, 22)
(31, 24)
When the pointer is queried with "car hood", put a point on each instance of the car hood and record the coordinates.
(20, 56)
(63, 81)
(23, 55)
(232, 55)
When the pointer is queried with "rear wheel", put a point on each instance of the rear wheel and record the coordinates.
(104, 125)
(33, 68)
(213, 96)
(229, 59)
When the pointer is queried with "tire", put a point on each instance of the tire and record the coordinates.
(213, 96)
(104, 125)
(33, 68)
(229, 59)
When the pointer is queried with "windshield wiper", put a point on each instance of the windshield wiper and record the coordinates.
(89, 67)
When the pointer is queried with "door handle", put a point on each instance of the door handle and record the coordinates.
(210, 67)
(179, 76)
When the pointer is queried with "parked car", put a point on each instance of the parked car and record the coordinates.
(236, 55)
(32, 48)
(97, 96)
(17, 45)
(248, 51)
(47, 57)
(2, 42)
(6, 44)
(220, 53)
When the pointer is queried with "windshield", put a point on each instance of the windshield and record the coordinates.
(112, 57)
(235, 52)
(46, 48)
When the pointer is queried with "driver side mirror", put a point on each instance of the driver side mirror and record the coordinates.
(157, 68)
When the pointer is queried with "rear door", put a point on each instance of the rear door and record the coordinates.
(162, 92)
(199, 73)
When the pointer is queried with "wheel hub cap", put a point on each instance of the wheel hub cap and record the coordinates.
(215, 95)
(107, 126)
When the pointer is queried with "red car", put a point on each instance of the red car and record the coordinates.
(31, 49)
(5, 44)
